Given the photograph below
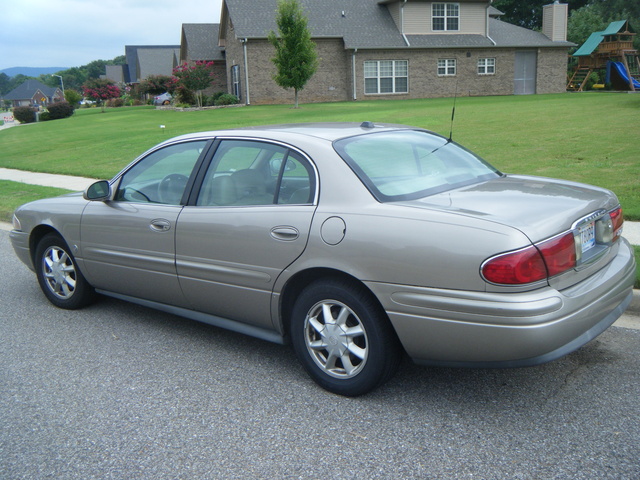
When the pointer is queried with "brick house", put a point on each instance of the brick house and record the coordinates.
(398, 49)
(33, 92)
(199, 42)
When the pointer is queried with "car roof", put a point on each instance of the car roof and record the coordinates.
(326, 131)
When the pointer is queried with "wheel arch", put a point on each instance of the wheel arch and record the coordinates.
(38, 234)
(301, 280)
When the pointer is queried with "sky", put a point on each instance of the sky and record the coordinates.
(72, 33)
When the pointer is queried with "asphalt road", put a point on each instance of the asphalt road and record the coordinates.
(117, 391)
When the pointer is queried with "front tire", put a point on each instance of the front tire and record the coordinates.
(343, 337)
(58, 275)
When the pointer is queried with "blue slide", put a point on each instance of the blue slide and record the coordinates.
(618, 67)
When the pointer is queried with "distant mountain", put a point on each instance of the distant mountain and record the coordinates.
(31, 71)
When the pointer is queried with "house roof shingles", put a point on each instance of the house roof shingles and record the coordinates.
(132, 75)
(367, 24)
(202, 41)
(28, 89)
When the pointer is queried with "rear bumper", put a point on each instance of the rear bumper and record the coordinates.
(477, 329)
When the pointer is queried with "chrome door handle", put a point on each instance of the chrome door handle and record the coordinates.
(286, 234)
(160, 225)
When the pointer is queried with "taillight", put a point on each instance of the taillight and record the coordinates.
(515, 268)
(617, 221)
(559, 253)
(532, 264)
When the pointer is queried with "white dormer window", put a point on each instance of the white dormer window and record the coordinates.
(445, 17)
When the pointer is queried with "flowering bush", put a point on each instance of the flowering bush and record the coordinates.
(195, 78)
(101, 91)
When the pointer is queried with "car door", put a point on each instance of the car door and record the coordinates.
(128, 243)
(251, 220)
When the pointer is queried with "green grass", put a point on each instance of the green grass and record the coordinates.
(14, 194)
(589, 137)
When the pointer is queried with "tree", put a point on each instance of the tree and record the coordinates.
(72, 97)
(582, 23)
(101, 91)
(296, 59)
(528, 13)
(194, 78)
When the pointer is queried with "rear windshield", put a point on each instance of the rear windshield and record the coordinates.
(411, 164)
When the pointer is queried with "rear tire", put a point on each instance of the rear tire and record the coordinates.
(343, 338)
(59, 276)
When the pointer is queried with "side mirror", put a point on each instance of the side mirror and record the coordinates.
(101, 190)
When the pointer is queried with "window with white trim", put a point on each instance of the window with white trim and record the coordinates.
(486, 66)
(445, 17)
(446, 67)
(386, 76)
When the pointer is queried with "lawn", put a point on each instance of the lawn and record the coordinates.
(14, 194)
(588, 137)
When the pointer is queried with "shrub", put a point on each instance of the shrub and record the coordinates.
(24, 114)
(59, 110)
(227, 99)
(44, 117)
(115, 102)
(72, 97)
(211, 100)
(183, 95)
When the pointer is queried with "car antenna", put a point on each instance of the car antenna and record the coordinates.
(453, 112)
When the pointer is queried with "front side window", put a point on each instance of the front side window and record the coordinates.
(247, 172)
(486, 66)
(445, 17)
(386, 76)
(161, 177)
(446, 67)
(411, 164)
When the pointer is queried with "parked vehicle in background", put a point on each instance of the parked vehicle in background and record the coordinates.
(164, 99)
(355, 242)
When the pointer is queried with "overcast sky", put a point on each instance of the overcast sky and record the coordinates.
(71, 33)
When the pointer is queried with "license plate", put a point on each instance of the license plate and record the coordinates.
(588, 236)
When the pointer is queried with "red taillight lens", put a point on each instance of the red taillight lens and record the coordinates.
(617, 221)
(515, 268)
(559, 254)
(532, 264)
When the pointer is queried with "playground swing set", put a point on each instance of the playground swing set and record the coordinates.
(611, 49)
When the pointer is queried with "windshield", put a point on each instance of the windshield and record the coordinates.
(410, 164)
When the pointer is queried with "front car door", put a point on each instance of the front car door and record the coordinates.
(128, 243)
(250, 220)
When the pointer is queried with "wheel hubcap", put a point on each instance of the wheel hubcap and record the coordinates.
(336, 339)
(59, 272)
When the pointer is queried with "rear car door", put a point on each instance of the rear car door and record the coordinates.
(250, 220)
(128, 243)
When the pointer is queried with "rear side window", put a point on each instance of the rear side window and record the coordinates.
(411, 164)
(249, 173)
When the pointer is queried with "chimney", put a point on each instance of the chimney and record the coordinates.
(554, 21)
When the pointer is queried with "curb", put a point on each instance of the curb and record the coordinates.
(634, 306)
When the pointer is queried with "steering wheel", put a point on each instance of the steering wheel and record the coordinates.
(171, 188)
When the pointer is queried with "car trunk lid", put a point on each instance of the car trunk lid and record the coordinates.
(538, 207)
